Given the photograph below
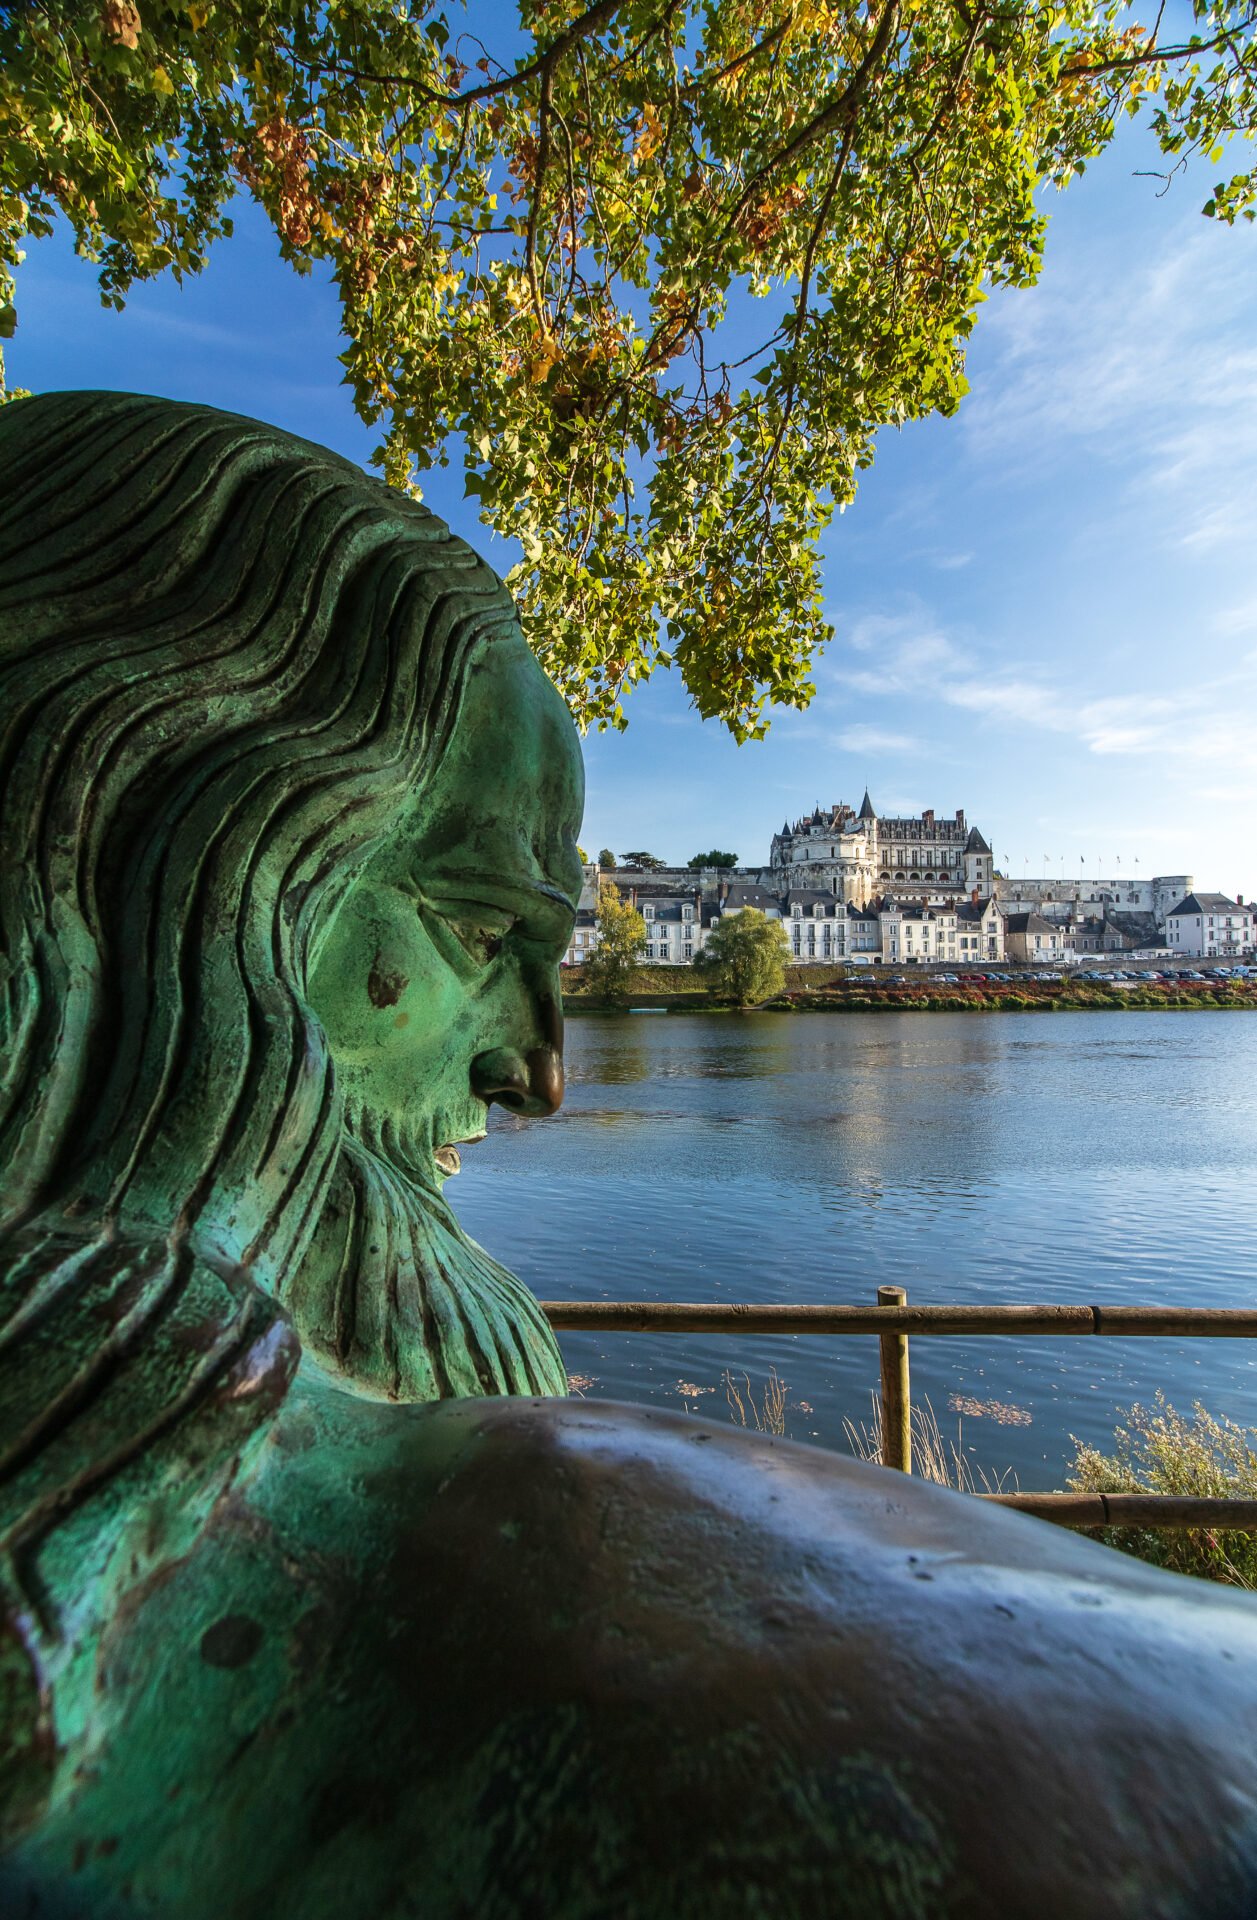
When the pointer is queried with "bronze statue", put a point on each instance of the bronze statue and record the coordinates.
(317, 1601)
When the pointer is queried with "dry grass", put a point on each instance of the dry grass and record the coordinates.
(934, 1457)
(767, 1414)
(1162, 1451)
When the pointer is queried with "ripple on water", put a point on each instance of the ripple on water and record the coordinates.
(813, 1157)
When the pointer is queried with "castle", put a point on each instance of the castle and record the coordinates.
(860, 857)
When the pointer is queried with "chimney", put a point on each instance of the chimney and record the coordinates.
(960, 816)
(974, 897)
(1239, 899)
(928, 816)
(724, 891)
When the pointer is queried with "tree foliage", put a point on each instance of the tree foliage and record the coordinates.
(650, 862)
(712, 859)
(621, 938)
(606, 858)
(748, 952)
(540, 240)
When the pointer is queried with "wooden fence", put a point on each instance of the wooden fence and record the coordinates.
(892, 1320)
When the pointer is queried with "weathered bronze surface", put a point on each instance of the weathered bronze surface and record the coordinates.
(288, 817)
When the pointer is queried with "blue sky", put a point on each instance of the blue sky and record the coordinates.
(1045, 608)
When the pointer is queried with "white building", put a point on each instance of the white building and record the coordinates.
(674, 928)
(961, 934)
(1030, 937)
(1208, 926)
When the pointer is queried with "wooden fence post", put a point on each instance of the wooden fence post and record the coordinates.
(896, 1391)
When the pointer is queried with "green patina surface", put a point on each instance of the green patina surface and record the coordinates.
(317, 1600)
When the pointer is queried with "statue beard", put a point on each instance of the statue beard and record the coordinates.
(393, 1299)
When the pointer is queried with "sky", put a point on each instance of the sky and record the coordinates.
(1045, 608)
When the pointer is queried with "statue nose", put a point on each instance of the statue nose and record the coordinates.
(526, 1083)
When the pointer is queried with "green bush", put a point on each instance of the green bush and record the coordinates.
(1162, 1451)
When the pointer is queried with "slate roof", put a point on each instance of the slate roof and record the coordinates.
(1203, 903)
(866, 811)
(1028, 923)
(975, 843)
(973, 909)
(760, 897)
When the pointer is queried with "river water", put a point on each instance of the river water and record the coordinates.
(1092, 1157)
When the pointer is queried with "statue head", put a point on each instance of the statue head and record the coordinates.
(289, 863)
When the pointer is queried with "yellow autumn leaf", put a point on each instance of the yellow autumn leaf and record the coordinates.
(198, 15)
(543, 358)
(162, 82)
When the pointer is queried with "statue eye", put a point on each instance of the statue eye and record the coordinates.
(480, 936)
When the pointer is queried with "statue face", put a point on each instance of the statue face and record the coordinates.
(437, 982)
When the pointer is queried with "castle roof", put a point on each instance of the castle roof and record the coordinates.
(867, 811)
(975, 843)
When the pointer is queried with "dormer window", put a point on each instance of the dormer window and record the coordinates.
(796, 913)
(648, 913)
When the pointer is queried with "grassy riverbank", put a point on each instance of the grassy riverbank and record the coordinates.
(817, 989)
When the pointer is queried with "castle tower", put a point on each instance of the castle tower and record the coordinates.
(979, 865)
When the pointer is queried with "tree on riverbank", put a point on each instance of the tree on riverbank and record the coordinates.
(621, 939)
(747, 956)
(536, 236)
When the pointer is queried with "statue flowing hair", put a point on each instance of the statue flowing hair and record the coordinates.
(227, 659)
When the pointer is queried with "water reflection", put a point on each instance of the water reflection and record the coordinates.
(811, 1157)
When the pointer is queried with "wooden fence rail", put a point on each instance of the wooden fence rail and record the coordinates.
(680, 1316)
(892, 1320)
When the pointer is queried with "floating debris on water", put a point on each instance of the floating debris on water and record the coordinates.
(1003, 1412)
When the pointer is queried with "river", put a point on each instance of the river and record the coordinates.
(1086, 1157)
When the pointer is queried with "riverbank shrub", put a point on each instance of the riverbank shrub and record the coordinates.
(1159, 1450)
(746, 957)
(621, 937)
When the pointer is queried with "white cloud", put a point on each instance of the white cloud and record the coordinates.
(1203, 720)
(863, 739)
(1150, 367)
